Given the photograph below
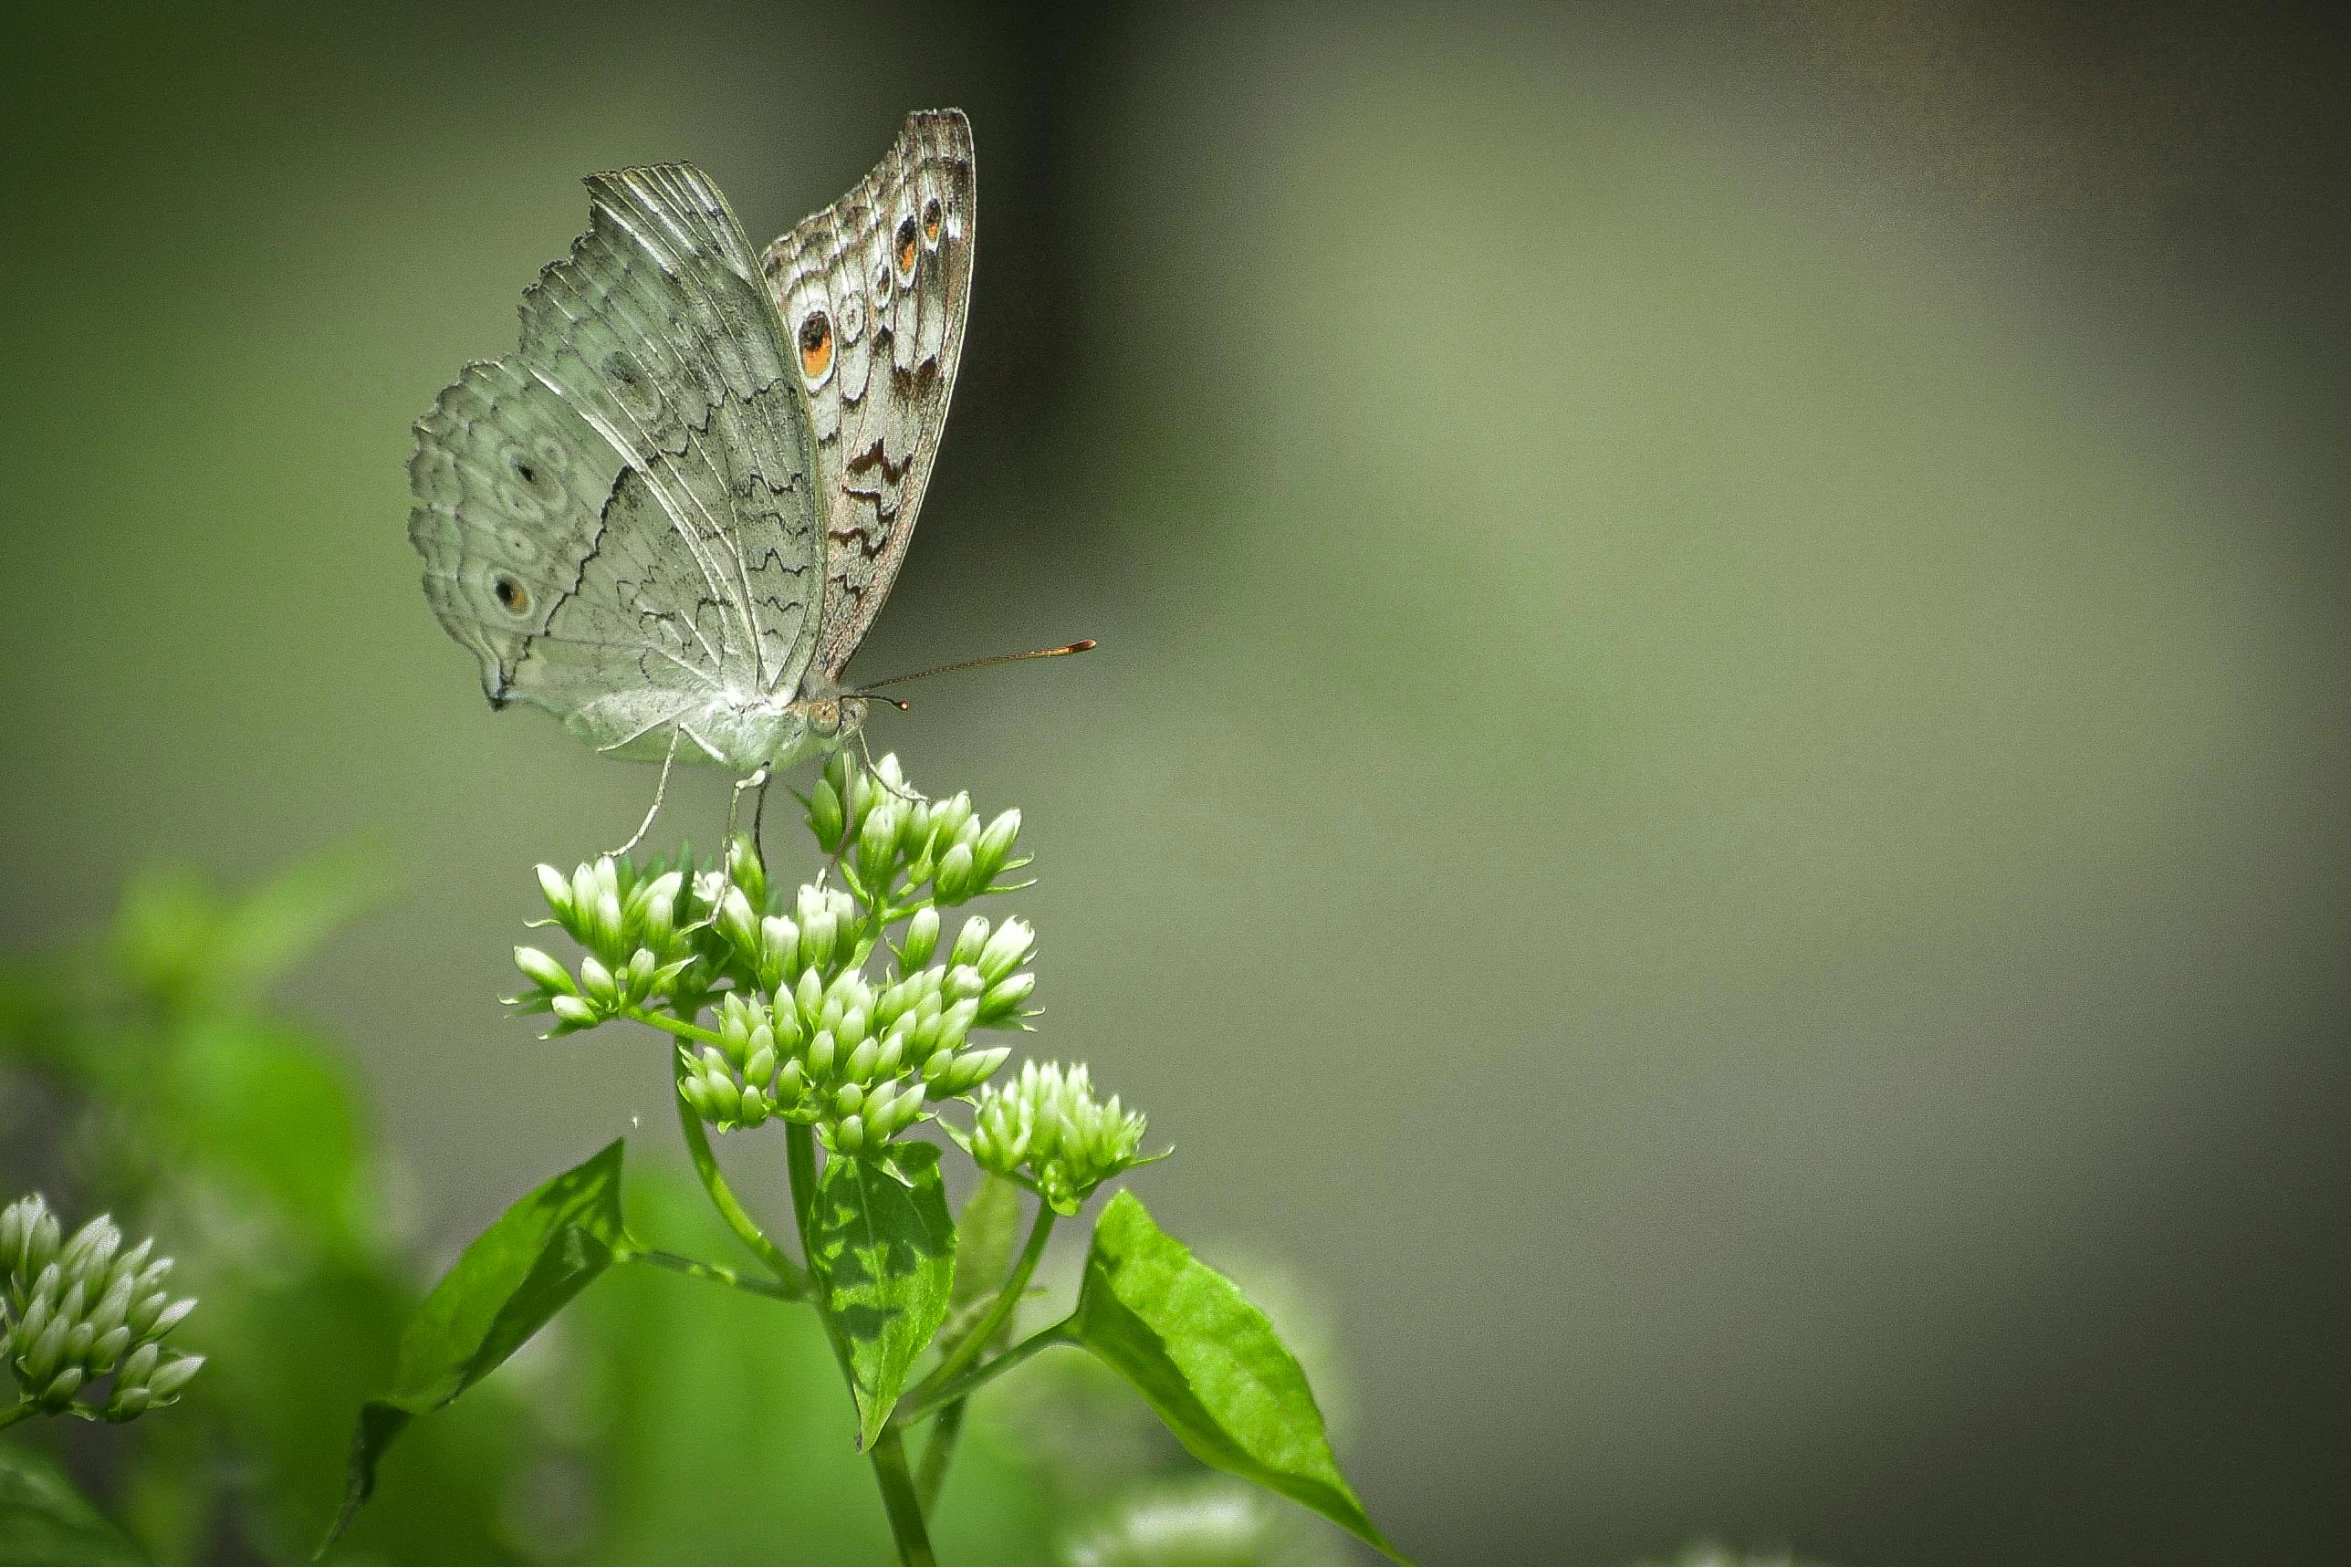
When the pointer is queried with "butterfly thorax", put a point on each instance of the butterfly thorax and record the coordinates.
(739, 736)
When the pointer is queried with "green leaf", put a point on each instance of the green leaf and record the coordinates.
(45, 1522)
(883, 1252)
(1209, 1365)
(515, 1276)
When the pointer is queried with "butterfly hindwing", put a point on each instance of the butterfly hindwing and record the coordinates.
(622, 519)
(874, 291)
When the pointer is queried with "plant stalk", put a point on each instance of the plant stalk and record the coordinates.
(919, 1403)
(1007, 1301)
(722, 1197)
(899, 1501)
(713, 1272)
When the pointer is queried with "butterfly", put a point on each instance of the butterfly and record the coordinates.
(670, 515)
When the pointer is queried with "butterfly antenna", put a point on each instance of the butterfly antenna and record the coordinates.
(971, 663)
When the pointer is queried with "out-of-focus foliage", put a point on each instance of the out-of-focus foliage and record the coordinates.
(661, 1420)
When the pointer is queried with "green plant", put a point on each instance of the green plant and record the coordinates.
(847, 1018)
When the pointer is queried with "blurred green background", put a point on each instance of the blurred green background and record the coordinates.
(1714, 793)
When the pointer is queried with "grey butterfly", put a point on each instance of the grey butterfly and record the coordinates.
(670, 515)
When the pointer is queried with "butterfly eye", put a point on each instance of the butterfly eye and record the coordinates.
(930, 221)
(816, 346)
(906, 246)
(511, 595)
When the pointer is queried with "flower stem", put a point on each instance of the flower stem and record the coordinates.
(713, 1272)
(24, 1410)
(920, 1403)
(900, 1499)
(1007, 1300)
(937, 1453)
(722, 1197)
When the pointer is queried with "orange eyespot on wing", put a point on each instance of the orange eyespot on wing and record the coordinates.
(513, 597)
(931, 220)
(906, 244)
(816, 346)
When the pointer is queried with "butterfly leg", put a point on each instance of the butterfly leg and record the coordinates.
(758, 823)
(758, 781)
(909, 794)
(660, 789)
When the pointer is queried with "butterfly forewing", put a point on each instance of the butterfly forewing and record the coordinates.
(623, 518)
(874, 291)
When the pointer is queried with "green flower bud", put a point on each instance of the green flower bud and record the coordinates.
(745, 871)
(952, 822)
(544, 972)
(734, 1030)
(964, 983)
(970, 942)
(737, 924)
(174, 1374)
(50, 1284)
(171, 1317)
(572, 1012)
(995, 845)
(957, 1022)
(877, 838)
(892, 1052)
(785, 1015)
(972, 1068)
(922, 939)
(109, 1348)
(114, 1305)
(819, 935)
(137, 1369)
(92, 1246)
(640, 977)
(957, 878)
(859, 1068)
(1007, 950)
(820, 1053)
(128, 1402)
(79, 1339)
(849, 1098)
(42, 1358)
(40, 1246)
(558, 893)
(809, 993)
(16, 1226)
(914, 830)
(903, 1110)
(597, 982)
(605, 924)
(145, 1311)
(791, 1085)
(60, 1392)
(762, 1065)
(583, 897)
(1002, 1002)
(130, 1262)
(849, 1134)
(827, 822)
(779, 944)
